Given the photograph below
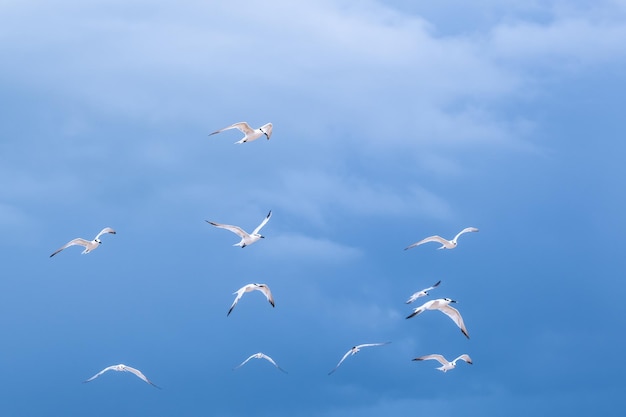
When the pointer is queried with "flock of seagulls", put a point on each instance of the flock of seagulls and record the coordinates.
(441, 304)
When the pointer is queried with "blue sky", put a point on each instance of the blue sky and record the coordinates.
(393, 121)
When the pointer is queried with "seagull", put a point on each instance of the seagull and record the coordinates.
(123, 368)
(89, 245)
(251, 287)
(446, 244)
(441, 304)
(250, 134)
(246, 239)
(354, 350)
(446, 366)
(259, 355)
(422, 293)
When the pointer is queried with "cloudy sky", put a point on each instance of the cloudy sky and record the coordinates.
(393, 120)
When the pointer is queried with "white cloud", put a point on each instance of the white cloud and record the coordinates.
(317, 195)
(304, 248)
(569, 43)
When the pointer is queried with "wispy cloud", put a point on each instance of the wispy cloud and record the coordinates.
(293, 246)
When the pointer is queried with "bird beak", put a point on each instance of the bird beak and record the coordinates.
(453, 301)
(262, 237)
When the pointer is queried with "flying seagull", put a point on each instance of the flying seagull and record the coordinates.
(442, 304)
(123, 368)
(259, 356)
(354, 350)
(446, 366)
(89, 245)
(422, 293)
(446, 244)
(246, 239)
(251, 287)
(250, 134)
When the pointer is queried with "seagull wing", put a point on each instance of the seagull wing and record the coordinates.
(372, 344)
(100, 373)
(242, 126)
(235, 229)
(436, 357)
(454, 314)
(420, 309)
(140, 375)
(265, 290)
(435, 238)
(265, 220)
(239, 293)
(341, 361)
(466, 230)
(105, 230)
(244, 362)
(433, 287)
(77, 241)
(264, 356)
(414, 297)
(464, 357)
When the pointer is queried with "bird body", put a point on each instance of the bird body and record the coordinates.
(259, 355)
(445, 364)
(246, 238)
(445, 244)
(123, 368)
(442, 304)
(89, 245)
(249, 288)
(250, 133)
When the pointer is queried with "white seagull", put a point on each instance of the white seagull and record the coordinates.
(354, 350)
(422, 293)
(246, 239)
(249, 288)
(89, 245)
(442, 304)
(259, 355)
(446, 244)
(250, 134)
(123, 368)
(446, 366)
